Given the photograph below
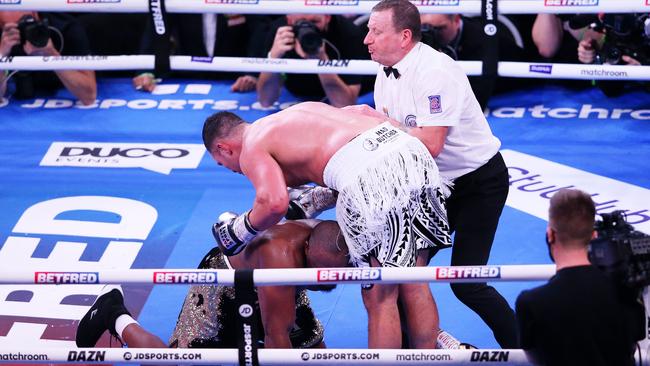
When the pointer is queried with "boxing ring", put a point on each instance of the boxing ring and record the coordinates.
(70, 206)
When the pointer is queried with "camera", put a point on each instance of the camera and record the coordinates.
(34, 31)
(626, 34)
(621, 251)
(308, 35)
(431, 36)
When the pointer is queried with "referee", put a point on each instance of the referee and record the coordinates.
(430, 95)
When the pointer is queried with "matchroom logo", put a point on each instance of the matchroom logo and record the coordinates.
(160, 158)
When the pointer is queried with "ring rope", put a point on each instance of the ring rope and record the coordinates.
(328, 6)
(266, 356)
(286, 276)
(357, 67)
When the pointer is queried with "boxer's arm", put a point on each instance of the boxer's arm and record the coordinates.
(278, 310)
(433, 137)
(271, 197)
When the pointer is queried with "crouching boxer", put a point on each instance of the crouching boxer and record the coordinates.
(207, 318)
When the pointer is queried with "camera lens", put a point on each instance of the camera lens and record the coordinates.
(33, 31)
(613, 56)
(309, 36)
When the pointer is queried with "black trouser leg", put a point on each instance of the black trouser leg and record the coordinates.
(473, 209)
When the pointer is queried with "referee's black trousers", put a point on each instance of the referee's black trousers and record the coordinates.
(473, 210)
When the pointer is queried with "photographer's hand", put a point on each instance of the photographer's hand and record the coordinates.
(48, 50)
(320, 55)
(587, 51)
(81, 83)
(630, 61)
(10, 38)
(283, 42)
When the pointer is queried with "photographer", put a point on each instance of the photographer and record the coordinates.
(620, 39)
(310, 36)
(34, 34)
(581, 316)
(461, 38)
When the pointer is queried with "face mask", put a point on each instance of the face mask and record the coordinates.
(548, 245)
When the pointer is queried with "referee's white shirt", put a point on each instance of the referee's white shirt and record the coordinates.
(433, 90)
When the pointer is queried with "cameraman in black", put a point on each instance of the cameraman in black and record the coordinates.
(461, 38)
(620, 39)
(313, 36)
(45, 34)
(581, 316)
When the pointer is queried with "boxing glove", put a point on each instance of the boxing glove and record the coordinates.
(307, 202)
(233, 233)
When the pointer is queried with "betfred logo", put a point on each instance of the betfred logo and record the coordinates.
(332, 2)
(571, 2)
(185, 277)
(436, 2)
(467, 272)
(352, 274)
(66, 277)
(160, 158)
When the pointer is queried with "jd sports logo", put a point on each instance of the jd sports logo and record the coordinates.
(161, 158)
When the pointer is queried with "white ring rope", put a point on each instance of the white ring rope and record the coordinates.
(285, 276)
(357, 67)
(328, 6)
(331, 356)
(266, 356)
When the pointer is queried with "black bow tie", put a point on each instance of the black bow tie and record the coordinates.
(389, 69)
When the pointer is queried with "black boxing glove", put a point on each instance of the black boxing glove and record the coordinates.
(307, 202)
(233, 233)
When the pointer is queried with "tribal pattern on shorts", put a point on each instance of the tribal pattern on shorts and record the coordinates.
(422, 224)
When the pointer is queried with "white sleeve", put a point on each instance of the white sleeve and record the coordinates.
(439, 98)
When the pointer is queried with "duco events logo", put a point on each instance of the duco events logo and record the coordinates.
(66, 277)
(542, 69)
(437, 2)
(352, 274)
(468, 272)
(160, 158)
(243, 2)
(570, 2)
(185, 277)
(9, 2)
(6, 59)
(332, 2)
